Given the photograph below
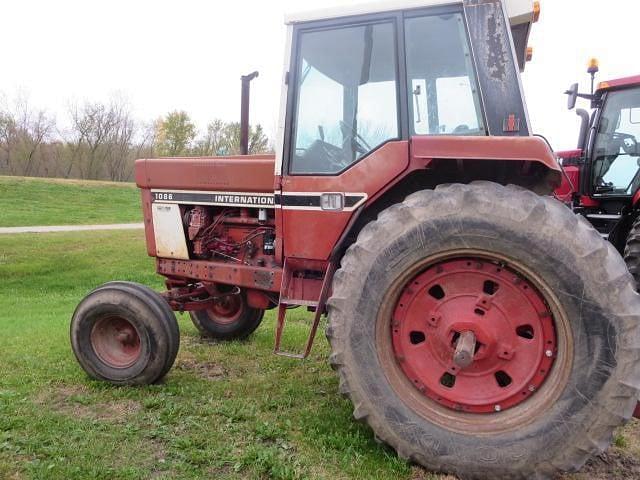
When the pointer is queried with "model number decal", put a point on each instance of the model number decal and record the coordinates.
(162, 196)
(224, 199)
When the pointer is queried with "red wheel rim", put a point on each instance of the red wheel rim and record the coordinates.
(116, 342)
(513, 327)
(227, 309)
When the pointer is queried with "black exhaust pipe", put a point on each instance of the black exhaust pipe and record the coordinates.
(584, 128)
(244, 112)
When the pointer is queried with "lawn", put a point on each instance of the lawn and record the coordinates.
(35, 201)
(228, 410)
(225, 411)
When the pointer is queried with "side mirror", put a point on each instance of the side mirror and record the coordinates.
(573, 96)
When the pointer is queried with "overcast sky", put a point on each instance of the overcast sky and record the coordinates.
(163, 55)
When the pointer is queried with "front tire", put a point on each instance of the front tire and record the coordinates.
(389, 328)
(125, 334)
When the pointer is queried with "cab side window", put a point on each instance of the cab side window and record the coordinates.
(616, 152)
(443, 91)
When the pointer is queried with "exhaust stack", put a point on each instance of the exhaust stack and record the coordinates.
(244, 112)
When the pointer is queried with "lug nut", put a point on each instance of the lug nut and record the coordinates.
(549, 353)
(497, 408)
(532, 388)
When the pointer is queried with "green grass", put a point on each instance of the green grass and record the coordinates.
(35, 201)
(225, 411)
(228, 410)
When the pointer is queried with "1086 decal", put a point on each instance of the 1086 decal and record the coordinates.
(223, 199)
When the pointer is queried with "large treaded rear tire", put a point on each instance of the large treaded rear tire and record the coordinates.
(584, 273)
(632, 251)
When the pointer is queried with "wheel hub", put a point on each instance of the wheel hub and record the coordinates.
(227, 309)
(116, 342)
(473, 335)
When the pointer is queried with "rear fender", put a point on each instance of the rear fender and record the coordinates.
(525, 161)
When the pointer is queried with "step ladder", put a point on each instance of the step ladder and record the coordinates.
(286, 303)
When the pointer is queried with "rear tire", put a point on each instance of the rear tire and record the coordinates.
(592, 385)
(231, 318)
(125, 334)
(632, 252)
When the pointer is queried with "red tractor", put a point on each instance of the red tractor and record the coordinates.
(478, 326)
(602, 176)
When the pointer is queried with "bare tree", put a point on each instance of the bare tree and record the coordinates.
(23, 132)
(101, 140)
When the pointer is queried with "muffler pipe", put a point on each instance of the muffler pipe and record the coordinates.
(244, 112)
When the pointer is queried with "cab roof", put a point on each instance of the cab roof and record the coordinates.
(522, 15)
(618, 84)
(519, 11)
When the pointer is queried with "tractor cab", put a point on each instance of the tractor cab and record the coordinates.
(603, 174)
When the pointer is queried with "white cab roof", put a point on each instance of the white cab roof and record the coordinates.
(520, 11)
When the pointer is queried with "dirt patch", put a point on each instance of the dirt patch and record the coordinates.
(207, 370)
(612, 464)
(197, 340)
(77, 401)
(418, 473)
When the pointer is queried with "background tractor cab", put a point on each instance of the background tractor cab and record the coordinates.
(602, 176)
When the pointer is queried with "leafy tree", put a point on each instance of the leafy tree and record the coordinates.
(224, 139)
(174, 134)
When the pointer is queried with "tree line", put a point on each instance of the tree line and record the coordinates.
(101, 141)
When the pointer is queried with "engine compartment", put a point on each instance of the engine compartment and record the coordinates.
(238, 235)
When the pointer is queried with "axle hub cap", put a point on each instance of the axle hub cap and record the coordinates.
(473, 335)
(227, 309)
(116, 342)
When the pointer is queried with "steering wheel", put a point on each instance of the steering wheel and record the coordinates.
(334, 156)
(627, 143)
(359, 143)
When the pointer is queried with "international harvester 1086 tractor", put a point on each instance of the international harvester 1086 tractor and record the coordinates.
(478, 326)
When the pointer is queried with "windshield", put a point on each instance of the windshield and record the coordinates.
(346, 96)
(616, 153)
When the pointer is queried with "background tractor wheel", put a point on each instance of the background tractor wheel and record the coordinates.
(125, 333)
(229, 319)
(632, 252)
(486, 331)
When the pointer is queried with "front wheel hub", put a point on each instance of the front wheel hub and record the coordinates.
(473, 335)
(116, 342)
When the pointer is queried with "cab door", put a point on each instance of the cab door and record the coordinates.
(343, 140)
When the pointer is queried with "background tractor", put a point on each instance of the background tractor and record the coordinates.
(478, 326)
(602, 180)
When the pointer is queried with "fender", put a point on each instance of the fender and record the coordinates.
(526, 150)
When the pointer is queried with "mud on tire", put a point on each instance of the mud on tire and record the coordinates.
(594, 383)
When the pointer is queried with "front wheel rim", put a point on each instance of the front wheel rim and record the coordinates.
(226, 310)
(116, 342)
